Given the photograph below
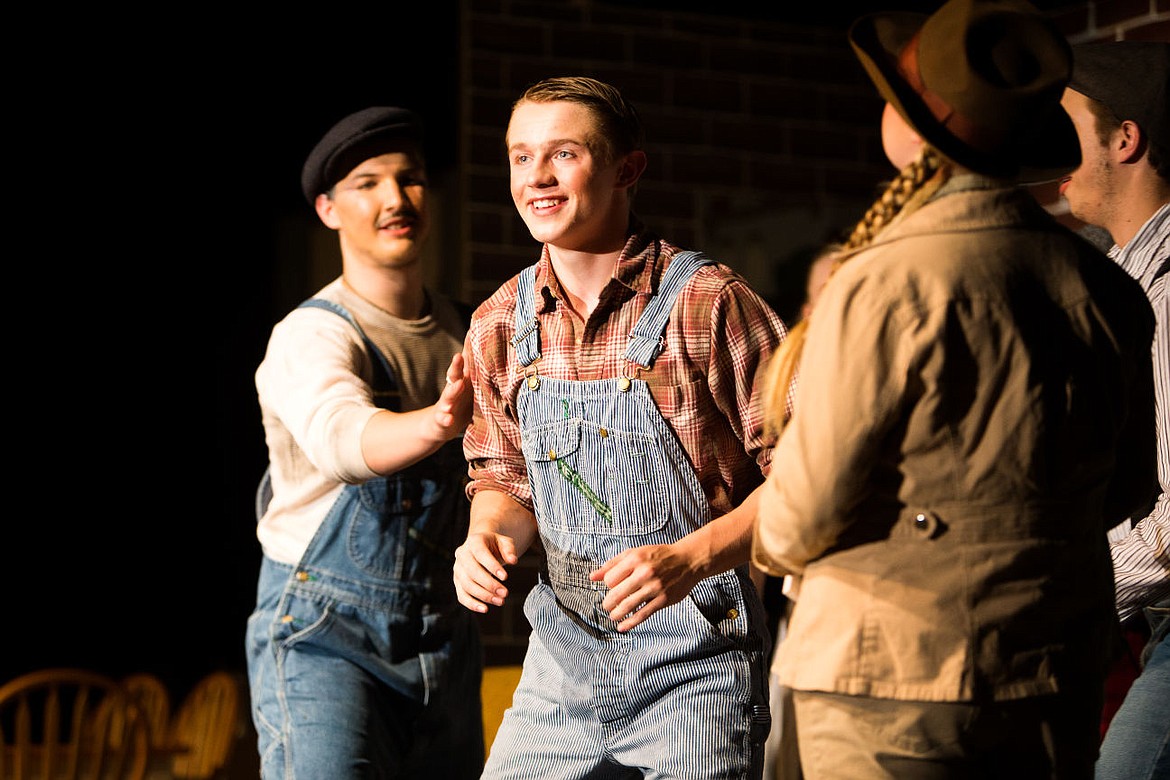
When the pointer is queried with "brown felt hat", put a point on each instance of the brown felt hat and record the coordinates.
(980, 81)
(353, 140)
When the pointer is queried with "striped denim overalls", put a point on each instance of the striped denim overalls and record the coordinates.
(684, 694)
(361, 662)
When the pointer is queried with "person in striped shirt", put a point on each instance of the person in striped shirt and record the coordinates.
(1117, 100)
(617, 419)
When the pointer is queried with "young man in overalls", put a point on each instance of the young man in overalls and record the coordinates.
(616, 415)
(360, 661)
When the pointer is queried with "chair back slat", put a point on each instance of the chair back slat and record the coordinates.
(206, 726)
(70, 724)
(154, 700)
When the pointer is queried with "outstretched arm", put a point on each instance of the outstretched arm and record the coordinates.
(391, 441)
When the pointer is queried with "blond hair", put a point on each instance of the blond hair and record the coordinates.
(618, 120)
(912, 187)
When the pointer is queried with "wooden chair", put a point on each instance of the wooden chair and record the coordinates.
(70, 724)
(153, 698)
(206, 726)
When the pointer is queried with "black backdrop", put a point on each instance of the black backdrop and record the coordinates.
(150, 171)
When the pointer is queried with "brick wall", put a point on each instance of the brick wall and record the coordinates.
(761, 136)
(762, 143)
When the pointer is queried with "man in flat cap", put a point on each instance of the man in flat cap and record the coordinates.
(360, 663)
(1117, 100)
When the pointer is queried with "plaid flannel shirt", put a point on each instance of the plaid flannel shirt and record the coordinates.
(706, 381)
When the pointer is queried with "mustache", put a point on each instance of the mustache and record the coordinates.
(399, 215)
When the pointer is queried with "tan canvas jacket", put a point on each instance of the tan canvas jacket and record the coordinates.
(974, 407)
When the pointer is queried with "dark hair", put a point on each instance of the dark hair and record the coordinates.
(1106, 123)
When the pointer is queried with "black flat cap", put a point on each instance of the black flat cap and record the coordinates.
(1131, 78)
(357, 137)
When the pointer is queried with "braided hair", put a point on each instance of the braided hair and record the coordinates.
(912, 187)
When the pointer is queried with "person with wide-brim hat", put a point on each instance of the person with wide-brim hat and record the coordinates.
(981, 82)
(971, 414)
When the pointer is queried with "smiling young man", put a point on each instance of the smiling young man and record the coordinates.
(617, 418)
(361, 663)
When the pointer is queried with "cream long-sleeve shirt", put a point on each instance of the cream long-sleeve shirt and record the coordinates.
(313, 386)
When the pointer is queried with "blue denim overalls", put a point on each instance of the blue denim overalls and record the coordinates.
(683, 695)
(361, 662)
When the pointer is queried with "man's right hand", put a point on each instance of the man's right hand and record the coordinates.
(479, 571)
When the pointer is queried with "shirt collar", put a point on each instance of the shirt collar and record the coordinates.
(1143, 254)
(634, 270)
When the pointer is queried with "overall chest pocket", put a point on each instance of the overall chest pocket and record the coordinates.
(590, 479)
(407, 527)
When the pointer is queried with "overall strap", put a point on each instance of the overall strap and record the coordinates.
(646, 341)
(526, 342)
(384, 385)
